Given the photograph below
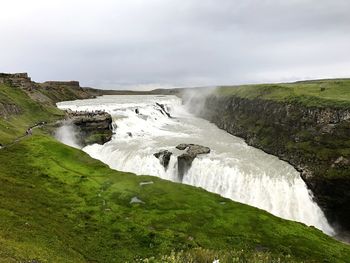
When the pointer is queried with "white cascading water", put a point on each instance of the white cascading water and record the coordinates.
(232, 169)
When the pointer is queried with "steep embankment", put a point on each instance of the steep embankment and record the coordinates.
(59, 205)
(305, 123)
(23, 103)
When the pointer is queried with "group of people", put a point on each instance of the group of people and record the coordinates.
(29, 131)
(89, 113)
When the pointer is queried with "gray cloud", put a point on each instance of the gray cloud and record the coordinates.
(110, 44)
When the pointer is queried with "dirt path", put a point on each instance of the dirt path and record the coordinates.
(27, 133)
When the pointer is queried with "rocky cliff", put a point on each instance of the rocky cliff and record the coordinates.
(315, 140)
(49, 92)
(16, 80)
(93, 127)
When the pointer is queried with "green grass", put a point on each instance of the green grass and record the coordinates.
(208, 256)
(59, 205)
(31, 112)
(321, 93)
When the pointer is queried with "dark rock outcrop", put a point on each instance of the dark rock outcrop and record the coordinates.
(163, 110)
(71, 83)
(315, 140)
(94, 127)
(18, 80)
(164, 158)
(184, 161)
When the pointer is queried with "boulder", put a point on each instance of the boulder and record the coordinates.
(184, 161)
(163, 110)
(193, 149)
(164, 158)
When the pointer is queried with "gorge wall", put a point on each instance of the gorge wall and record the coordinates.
(316, 141)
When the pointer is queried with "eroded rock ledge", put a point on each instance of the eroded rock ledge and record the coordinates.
(93, 127)
(184, 160)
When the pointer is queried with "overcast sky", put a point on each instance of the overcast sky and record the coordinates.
(147, 43)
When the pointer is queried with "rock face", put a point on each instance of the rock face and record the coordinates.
(164, 158)
(94, 127)
(315, 141)
(184, 161)
(7, 109)
(19, 80)
(49, 92)
(163, 110)
(72, 83)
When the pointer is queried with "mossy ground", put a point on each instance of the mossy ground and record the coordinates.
(59, 205)
(317, 93)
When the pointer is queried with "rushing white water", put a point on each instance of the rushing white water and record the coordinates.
(232, 169)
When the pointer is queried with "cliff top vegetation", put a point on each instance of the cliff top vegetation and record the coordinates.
(314, 93)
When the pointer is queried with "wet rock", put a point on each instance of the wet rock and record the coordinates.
(93, 127)
(163, 110)
(184, 161)
(193, 149)
(164, 158)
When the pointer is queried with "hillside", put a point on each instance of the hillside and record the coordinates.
(304, 123)
(59, 205)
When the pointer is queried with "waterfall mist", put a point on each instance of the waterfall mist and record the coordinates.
(195, 98)
(68, 134)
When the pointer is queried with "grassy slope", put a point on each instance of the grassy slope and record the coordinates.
(59, 205)
(31, 113)
(334, 93)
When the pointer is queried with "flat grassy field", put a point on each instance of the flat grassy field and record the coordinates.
(57, 204)
(316, 93)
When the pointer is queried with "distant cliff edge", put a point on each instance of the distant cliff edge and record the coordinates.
(301, 124)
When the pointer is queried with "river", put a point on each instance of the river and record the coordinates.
(232, 168)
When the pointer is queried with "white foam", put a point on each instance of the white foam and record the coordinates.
(232, 169)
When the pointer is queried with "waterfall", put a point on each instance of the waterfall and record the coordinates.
(232, 169)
